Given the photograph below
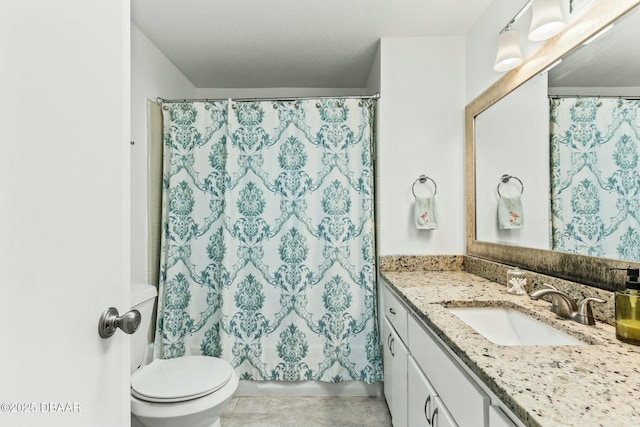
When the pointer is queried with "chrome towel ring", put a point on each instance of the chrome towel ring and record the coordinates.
(422, 179)
(505, 178)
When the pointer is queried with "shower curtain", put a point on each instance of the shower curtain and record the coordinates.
(595, 179)
(268, 253)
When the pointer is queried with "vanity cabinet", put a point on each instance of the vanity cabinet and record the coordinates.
(424, 384)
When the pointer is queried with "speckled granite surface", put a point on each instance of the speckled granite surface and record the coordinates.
(421, 262)
(547, 386)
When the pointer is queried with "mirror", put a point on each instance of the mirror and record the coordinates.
(507, 132)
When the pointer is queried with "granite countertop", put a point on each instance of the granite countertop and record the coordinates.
(592, 385)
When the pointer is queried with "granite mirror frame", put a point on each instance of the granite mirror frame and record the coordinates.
(584, 269)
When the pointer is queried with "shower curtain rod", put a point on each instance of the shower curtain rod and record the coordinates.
(374, 97)
(630, 98)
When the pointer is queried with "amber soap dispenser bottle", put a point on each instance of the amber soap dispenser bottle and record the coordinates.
(628, 309)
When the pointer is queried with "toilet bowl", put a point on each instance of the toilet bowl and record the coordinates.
(188, 391)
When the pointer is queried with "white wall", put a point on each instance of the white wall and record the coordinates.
(373, 81)
(152, 76)
(421, 131)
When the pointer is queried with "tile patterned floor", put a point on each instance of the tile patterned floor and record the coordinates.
(291, 411)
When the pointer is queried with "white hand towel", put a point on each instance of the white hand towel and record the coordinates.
(426, 213)
(510, 214)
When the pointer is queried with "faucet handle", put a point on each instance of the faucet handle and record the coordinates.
(585, 315)
(554, 299)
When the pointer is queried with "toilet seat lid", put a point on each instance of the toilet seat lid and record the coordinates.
(179, 379)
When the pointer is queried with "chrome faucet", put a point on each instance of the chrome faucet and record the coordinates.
(565, 306)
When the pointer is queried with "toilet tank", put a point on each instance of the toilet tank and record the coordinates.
(143, 297)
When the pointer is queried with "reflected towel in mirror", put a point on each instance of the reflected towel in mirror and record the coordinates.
(510, 214)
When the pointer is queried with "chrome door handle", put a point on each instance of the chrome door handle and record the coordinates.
(110, 321)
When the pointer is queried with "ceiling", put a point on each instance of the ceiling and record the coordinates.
(290, 43)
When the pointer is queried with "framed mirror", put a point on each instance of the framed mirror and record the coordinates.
(493, 125)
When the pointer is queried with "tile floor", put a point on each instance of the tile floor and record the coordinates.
(294, 411)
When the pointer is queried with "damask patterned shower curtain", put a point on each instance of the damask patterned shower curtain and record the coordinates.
(595, 179)
(268, 256)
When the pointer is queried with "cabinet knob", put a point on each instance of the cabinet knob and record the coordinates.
(392, 311)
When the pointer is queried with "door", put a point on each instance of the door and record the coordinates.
(422, 396)
(64, 211)
(497, 418)
(387, 365)
(425, 408)
(395, 356)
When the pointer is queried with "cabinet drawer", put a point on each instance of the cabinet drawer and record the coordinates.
(395, 311)
(465, 401)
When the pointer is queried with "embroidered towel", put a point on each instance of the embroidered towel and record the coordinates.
(510, 215)
(426, 213)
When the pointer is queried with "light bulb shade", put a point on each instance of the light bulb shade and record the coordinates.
(509, 55)
(546, 19)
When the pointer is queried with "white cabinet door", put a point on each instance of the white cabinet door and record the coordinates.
(395, 374)
(441, 416)
(387, 362)
(497, 418)
(64, 187)
(425, 408)
(421, 396)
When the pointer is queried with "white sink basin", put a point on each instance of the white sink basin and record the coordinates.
(506, 326)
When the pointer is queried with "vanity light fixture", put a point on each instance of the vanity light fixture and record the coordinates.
(509, 55)
(546, 22)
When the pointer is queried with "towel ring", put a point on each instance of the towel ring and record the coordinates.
(505, 178)
(422, 179)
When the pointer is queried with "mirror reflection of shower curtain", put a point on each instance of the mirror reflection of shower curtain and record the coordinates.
(268, 254)
(595, 179)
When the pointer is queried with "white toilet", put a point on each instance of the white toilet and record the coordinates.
(188, 391)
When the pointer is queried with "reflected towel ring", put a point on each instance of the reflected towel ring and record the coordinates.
(505, 178)
(422, 179)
